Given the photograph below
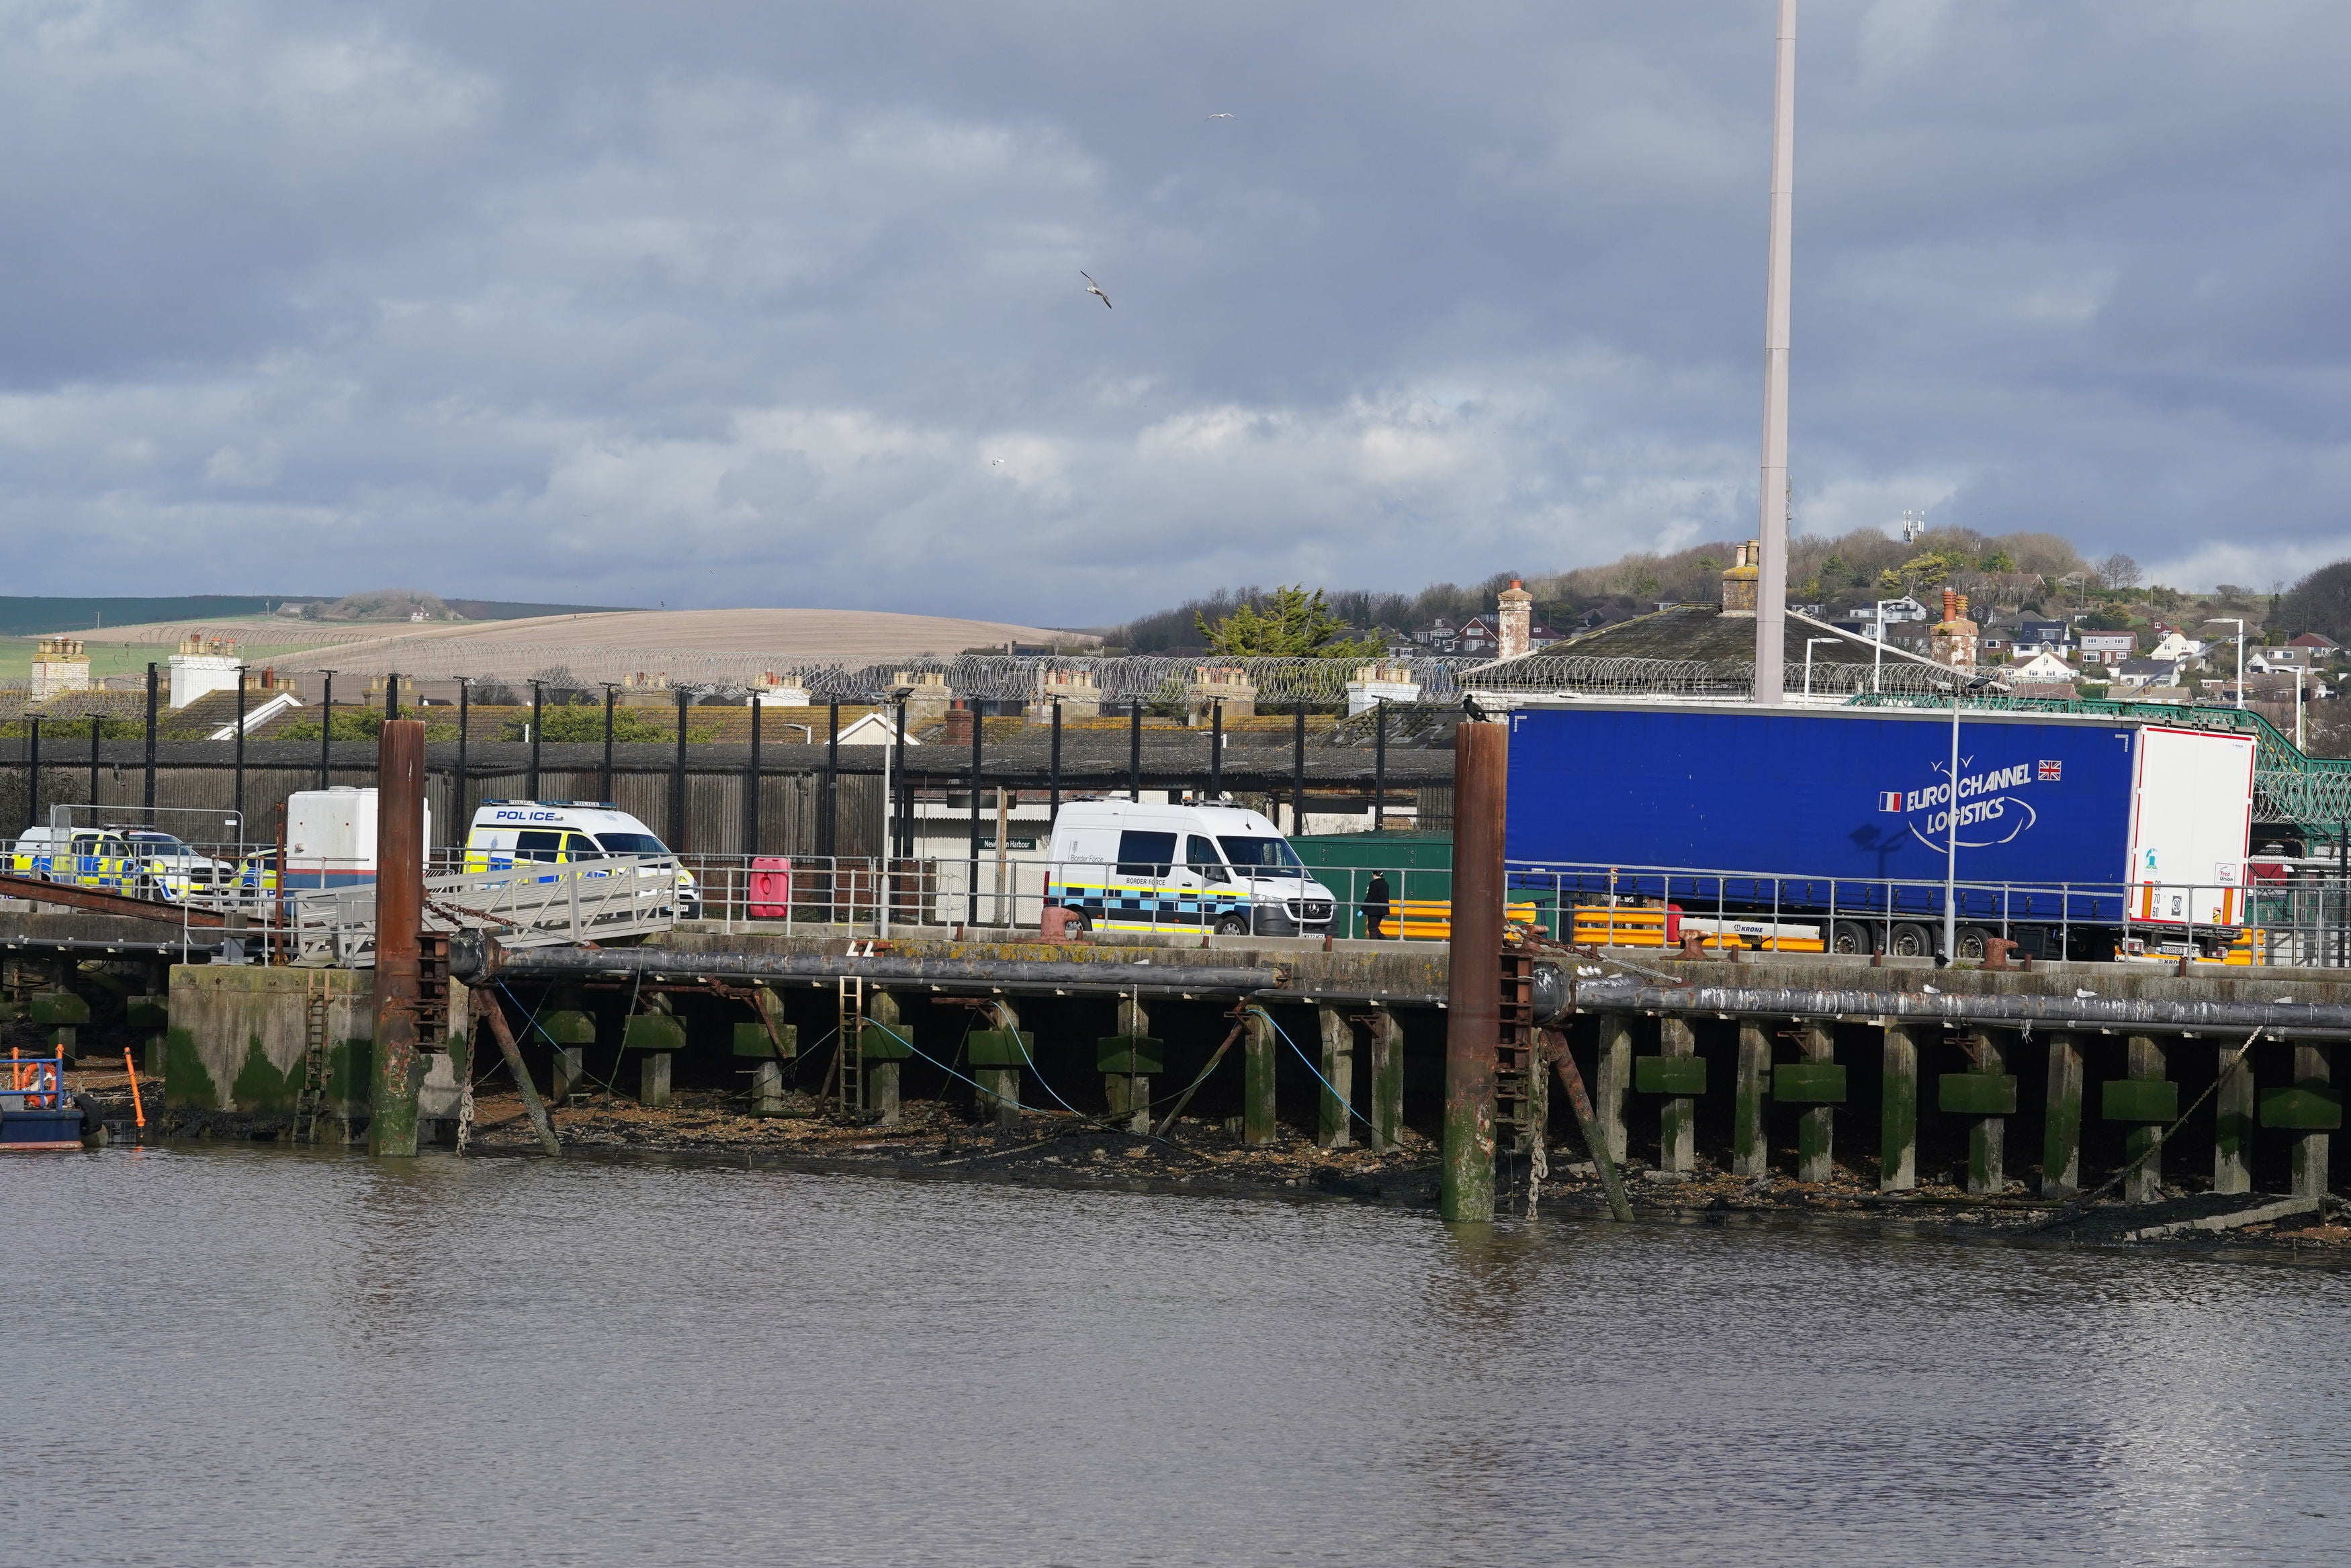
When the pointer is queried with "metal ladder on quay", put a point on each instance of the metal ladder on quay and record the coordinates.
(846, 1088)
(433, 1013)
(1519, 1101)
(312, 1097)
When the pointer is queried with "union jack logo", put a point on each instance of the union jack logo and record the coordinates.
(2051, 773)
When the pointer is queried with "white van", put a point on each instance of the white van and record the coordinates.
(1135, 865)
(331, 836)
(508, 833)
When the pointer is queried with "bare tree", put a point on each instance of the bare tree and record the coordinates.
(2118, 571)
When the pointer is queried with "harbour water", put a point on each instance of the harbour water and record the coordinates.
(267, 1356)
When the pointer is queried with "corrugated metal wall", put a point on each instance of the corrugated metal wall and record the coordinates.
(198, 777)
(196, 802)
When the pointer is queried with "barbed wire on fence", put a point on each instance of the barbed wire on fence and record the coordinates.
(1134, 678)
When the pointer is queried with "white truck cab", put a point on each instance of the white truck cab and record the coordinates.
(508, 833)
(1138, 866)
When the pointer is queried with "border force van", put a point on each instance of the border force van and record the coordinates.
(1134, 866)
(508, 833)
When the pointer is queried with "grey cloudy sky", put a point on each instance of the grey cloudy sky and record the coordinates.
(719, 303)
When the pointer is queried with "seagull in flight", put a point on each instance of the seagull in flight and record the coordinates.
(1094, 288)
(1220, 117)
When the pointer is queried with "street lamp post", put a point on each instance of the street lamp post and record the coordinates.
(2239, 624)
(1951, 838)
(1877, 636)
(1811, 643)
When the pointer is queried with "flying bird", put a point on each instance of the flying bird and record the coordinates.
(1220, 117)
(1094, 288)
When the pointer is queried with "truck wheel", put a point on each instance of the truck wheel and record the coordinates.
(1911, 940)
(1233, 926)
(1849, 937)
(1970, 941)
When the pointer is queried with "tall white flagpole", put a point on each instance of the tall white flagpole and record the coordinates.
(1772, 580)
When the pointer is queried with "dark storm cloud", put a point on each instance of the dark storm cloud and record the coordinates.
(722, 304)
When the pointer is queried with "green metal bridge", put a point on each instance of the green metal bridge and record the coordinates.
(2311, 793)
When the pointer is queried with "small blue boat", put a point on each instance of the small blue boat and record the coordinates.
(35, 1110)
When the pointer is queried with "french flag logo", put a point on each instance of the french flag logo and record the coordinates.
(1889, 799)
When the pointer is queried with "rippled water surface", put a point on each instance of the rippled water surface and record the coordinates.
(268, 1357)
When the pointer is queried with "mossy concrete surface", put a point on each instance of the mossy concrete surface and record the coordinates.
(238, 1034)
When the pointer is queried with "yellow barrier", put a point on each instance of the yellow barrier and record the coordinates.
(1604, 927)
(1620, 928)
(1431, 920)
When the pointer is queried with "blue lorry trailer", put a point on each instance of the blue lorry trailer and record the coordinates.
(2075, 836)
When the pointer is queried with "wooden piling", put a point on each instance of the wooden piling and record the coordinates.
(1387, 1080)
(1571, 1078)
(2061, 1135)
(1750, 1144)
(1677, 1116)
(882, 1077)
(2232, 1122)
(2313, 1072)
(1257, 1124)
(1128, 1093)
(399, 1069)
(2144, 1060)
(1816, 1127)
(485, 1002)
(768, 1089)
(1333, 1130)
(1987, 1134)
(571, 1065)
(1615, 1075)
(653, 1079)
(1481, 760)
(1897, 1112)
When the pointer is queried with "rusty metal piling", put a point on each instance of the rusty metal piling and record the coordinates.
(399, 923)
(1481, 754)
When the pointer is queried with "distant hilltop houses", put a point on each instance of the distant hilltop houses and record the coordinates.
(1480, 637)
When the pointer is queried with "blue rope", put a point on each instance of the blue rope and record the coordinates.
(943, 1067)
(1318, 1078)
(1017, 1106)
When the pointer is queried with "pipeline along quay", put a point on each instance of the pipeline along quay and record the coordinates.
(1726, 1091)
(1506, 1070)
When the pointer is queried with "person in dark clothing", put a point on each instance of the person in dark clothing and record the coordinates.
(1375, 906)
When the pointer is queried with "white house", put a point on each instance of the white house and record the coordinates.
(2147, 673)
(202, 664)
(258, 715)
(2179, 648)
(872, 729)
(2109, 647)
(2043, 666)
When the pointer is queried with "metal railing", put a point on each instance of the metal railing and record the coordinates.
(2314, 793)
(2302, 918)
(525, 906)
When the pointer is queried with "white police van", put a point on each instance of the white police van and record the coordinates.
(1137, 866)
(510, 833)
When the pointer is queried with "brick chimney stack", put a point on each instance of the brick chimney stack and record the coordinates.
(1517, 617)
(1740, 582)
(1953, 640)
